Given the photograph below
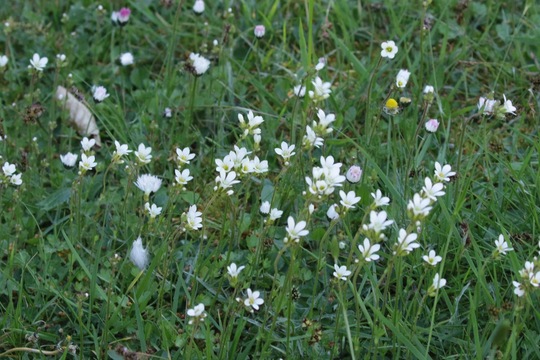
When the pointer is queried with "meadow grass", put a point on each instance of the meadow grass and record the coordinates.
(88, 270)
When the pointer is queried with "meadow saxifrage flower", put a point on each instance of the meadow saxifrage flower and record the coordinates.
(16, 179)
(259, 31)
(486, 105)
(126, 59)
(389, 49)
(87, 162)
(253, 299)
(197, 313)
(199, 64)
(379, 199)
(275, 214)
(321, 90)
(87, 144)
(148, 183)
(406, 243)
(252, 124)
(234, 270)
(332, 212)
(142, 154)
(3, 61)
(138, 254)
(198, 7)
(438, 283)
(153, 210)
(225, 181)
(341, 272)
(354, 174)
(99, 93)
(69, 159)
(121, 150)
(402, 78)
(378, 221)
(9, 169)
(184, 156)
(431, 190)
(428, 89)
(432, 258)
(519, 290)
(182, 177)
(501, 246)
(265, 207)
(295, 230)
(419, 206)
(509, 108)
(348, 200)
(369, 251)
(443, 173)
(193, 218)
(311, 139)
(285, 151)
(38, 62)
(299, 90)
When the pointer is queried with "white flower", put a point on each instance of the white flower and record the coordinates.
(354, 174)
(69, 159)
(322, 128)
(15, 179)
(9, 169)
(349, 199)
(402, 78)
(87, 162)
(126, 59)
(148, 183)
(508, 107)
(38, 62)
(184, 156)
(389, 49)
(259, 31)
(275, 214)
(443, 173)
(138, 254)
(432, 258)
(252, 126)
(234, 271)
(321, 90)
(535, 280)
(153, 210)
(487, 105)
(182, 177)
(320, 64)
(87, 144)
(198, 7)
(528, 271)
(167, 112)
(3, 60)
(226, 180)
(99, 93)
(419, 205)
(259, 167)
(143, 154)
(121, 150)
(200, 63)
(369, 251)
(227, 164)
(332, 213)
(519, 290)
(378, 221)
(406, 243)
(341, 272)
(379, 199)
(311, 139)
(193, 218)
(253, 299)
(61, 58)
(265, 207)
(432, 125)
(295, 230)
(299, 90)
(438, 282)
(429, 89)
(286, 151)
(502, 247)
(197, 313)
(432, 191)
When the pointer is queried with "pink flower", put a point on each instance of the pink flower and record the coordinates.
(123, 16)
(259, 31)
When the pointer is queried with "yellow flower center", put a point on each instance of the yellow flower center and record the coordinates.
(389, 49)
(391, 104)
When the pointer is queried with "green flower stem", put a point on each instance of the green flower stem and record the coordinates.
(368, 125)
(343, 307)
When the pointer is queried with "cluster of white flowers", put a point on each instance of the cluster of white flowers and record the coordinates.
(325, 178)
(274, 213)
(489, 106)
(321, 90)
(183, 176)
(251, 127)
(530, 275)
(88, 160)
(9, 175)
(196, 314)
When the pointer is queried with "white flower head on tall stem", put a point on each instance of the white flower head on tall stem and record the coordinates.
(198, 7)
(295, 230)
(419, 206)
(251, 127)
(182, 177)
(234, 270)
(225, 181)
(299, 90)
(369, 251)
(138, 254)
(519, 289)
(379, 199)
(389, 49)
(143, 154)
(501, 246)
(402, 78)
(38, 62)
(69, 159)
(253, 299)
(184, 156)
(348, 200)
(378, 221)
(87, 163)
(193, 218)
(9, 169)
(196, 314)
(99, 93)
(509, 108)
(443, 173)
(199, 64)
(265, 207)
(16, 179)
(148, 183)
(121, 150)
(321, 90)
(406, 243)
(432, 258)
(275, 214)
(332, 212)
(341, 272)
(153, 210)
(323, 126)
(438, 283)
(487, 106)
(432, 191)
(311, 139)
(126, 59)
(87, 144)
(285, 151)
